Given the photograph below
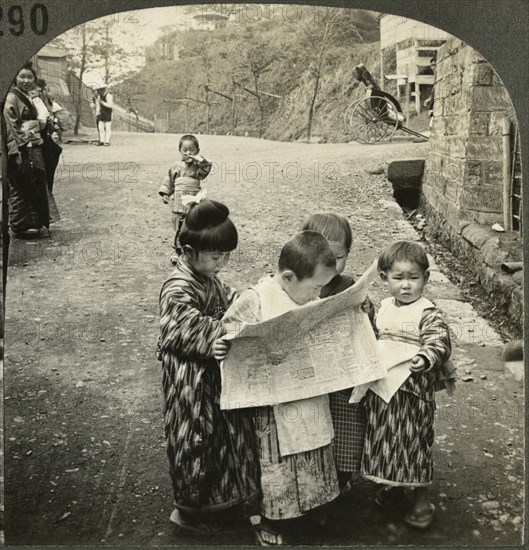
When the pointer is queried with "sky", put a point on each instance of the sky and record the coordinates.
(134, 30)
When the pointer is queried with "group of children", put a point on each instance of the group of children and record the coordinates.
(255, 457)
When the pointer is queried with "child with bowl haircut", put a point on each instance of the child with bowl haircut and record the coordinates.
(415, 339)
(298, 473)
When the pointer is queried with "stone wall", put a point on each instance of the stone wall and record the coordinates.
(462, 186)
(463, 172)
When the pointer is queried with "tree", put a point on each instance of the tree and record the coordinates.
(93, 46)
(105, 49)
(325, 27)
(256, 58)
(86, 32)
(80, 42)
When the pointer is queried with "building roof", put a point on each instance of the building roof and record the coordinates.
(52, 51)
(211, 17)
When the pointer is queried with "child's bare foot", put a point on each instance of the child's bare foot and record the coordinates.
(265, 534)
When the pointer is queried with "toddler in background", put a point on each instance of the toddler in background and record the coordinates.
(183, 178)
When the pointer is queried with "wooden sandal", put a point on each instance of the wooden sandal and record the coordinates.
(260, 527)
(195, 528)
(422, 520)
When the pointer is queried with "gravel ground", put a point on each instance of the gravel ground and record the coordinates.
(85, 456)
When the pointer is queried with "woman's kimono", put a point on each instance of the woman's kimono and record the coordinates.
(26, 171)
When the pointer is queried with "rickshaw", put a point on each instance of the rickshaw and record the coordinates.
(377, 116)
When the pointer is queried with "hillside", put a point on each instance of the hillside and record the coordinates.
(283, 59)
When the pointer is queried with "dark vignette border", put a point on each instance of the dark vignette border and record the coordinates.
(497, 29)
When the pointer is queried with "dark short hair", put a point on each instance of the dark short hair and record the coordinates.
(41, 83)
(403, 251)
(304, 252)
(333, 227)
(207, 227)
(28, 67)
(188, 137)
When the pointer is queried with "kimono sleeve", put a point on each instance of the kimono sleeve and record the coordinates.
(167, 187)
(370, 312)
(184, 330)
(436, 346)
(203, 169)
(231, 294)
(245, 309)
(368, 306)
(14, 127)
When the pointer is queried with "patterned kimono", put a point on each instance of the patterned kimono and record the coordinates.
(184, 179)
(399, 433)
(28, 190)
(348, 419)
(291, 485)
(212, 459)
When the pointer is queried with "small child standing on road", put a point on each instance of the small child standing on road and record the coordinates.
(298, 473)
(348, 418)
(415, 342)
(183, 178)
(212, 458)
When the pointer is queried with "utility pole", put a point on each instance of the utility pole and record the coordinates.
(233, 118)
(185, 101)
(107, 54)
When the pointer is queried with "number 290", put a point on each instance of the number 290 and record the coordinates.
(16, 23)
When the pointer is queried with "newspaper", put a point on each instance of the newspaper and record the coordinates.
(324, 346)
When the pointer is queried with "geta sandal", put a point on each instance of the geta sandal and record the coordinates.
(423, 519)
(195, 528)
(260, 528)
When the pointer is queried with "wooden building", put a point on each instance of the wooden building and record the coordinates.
(51, 65)
(210, 21)
(406, 49)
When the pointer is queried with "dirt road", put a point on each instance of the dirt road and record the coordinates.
(85, 453)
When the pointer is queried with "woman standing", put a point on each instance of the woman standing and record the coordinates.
(104, 115)
(26, 171)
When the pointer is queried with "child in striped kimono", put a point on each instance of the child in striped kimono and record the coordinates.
(212, 458)
(296, 458)
(414, 342)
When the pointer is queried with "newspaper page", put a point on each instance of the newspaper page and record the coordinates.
(324, 346)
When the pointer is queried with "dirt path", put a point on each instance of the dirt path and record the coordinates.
(85, 453)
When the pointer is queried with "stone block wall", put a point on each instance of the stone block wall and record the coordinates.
(463, 172)
(462, 187)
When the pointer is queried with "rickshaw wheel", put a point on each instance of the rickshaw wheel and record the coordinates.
(371, 120)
